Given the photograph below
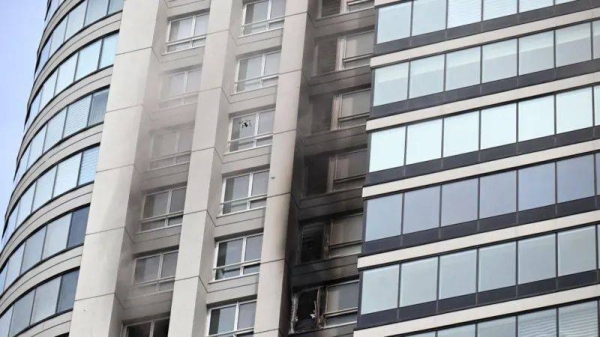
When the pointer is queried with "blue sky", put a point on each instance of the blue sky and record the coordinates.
(23, 22)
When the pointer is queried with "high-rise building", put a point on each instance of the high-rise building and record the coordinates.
(191, 168)
(481, 197)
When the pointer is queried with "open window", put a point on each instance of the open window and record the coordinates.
(340, 236)
(325, 306)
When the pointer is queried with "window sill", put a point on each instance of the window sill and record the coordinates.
(242, 35)
(223, 215)
(247, 150)
(252, 90)
(168, 53)
(215, 281)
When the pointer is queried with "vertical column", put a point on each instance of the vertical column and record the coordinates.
(115, 199)
(188, 311)
(272, 304)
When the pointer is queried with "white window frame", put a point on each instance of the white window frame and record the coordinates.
(327, 314)
(262, 78)
(234, 333)
(256, 137)
(175, 156)
(345, 7)
(241, 265)
(337, 111)
(157, 282)
(182, 99)
(341, 53)
(330, 246)
(267, 23)
(165, 217)
(249, 199)
(189, 40)
(332, 180)
(152, 325)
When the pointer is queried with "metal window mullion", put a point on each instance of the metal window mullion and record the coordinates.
(236, 317)
(250, 185)
(269, 9)
(193, 29)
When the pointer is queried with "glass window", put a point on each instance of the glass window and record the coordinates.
(498, 126)
(374, 296)
(384, 217)
(54, 130)
(109, 50)
(421, 210)
(66, 73)
(48, 90)
(77, 116)
(43, 190)
(574, 110)
(536, 324)
(537, 259)
(246, 315)
(387, 149)
(78, 227)
(44, 303)
(578, 320)
(391, 84)
(575, 178)
(33, 250)
(576, 251)
(342, 297)
(14, 266)
(96, 10)
(536, 52)
(5, 322)
(458, 274)
(98, 109)
(89, 161)
(88, 60)
(21, 313)
(245, 130)
(428, 16)
(355, 103)
(463, 12)
(596, 38)
(222, 320)
(239, 190)
(146, 269)
(424, 141)
(504, 327)
(497, 266)
(66, 175)
(461, 331)
(394, 22)
(418, 282)
(346, 234)
(229, 257)
(156, 204)
(498, 194)
(58, 36)
(497, 8)
(573, 44)
(426, 75)
(459, 202)
(357, 46)
(499, 59)
(463, 67)
(25, 204)
(536, 118)
(461, 134)
(68, 286)
(36, 146)
(76, 18)
(536, 186)
(181, 29)
(57, 233)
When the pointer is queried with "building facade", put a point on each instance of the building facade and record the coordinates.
(191, 168)
(481, 197)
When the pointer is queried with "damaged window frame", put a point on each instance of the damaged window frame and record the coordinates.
(326, 227)
(320, 313)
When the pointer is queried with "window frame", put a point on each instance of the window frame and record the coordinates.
(262, 78)
(234, 332)
(267, 23)
(335, 184)
(156, 282)
(242, 264)
(249, 198)
(165, 217)
(256, 137)
(345, 7)
(190, 40)
(337, 117)
(152, 325)
(344, 312)
(342, 49)
(175, 156)
(187, 98)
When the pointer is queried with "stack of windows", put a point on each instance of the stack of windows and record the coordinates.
(76, 117)
(52, 298)
(81, 16)
(59, 235)
(72, 172)
(95, 56)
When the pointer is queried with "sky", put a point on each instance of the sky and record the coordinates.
(23, 23)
